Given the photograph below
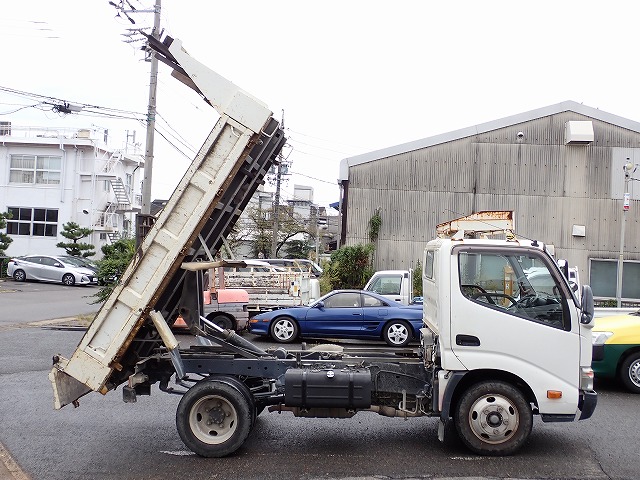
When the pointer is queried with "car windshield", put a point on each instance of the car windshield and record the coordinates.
(76, 262)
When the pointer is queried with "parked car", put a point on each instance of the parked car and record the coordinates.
(49, 268)
(343, 314)
(616, 349)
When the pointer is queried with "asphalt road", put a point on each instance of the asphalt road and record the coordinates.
(25, 302)
(107, 439)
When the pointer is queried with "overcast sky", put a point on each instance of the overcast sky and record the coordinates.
(351, 76)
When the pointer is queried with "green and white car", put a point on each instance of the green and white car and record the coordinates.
(616, 349)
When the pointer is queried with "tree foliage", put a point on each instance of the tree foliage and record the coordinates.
(351, 266)
(117, 257)
(417, 279)
(5, 240)
(75, 232)
(256, 229)
(297, 249)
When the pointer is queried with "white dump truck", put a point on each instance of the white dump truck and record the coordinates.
(488, 360)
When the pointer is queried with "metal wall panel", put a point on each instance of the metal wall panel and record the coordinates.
(549, 185)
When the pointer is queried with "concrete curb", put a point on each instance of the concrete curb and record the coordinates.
(9, 469)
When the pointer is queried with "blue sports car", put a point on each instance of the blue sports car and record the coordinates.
(343, 314)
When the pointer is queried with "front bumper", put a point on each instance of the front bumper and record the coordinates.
(587, 403)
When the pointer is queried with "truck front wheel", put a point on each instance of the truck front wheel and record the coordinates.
(493, 418)
(214, 418)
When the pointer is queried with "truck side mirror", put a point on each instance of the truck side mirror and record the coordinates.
(587, 305)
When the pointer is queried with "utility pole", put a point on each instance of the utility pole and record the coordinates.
(151, 118)
(276, 200)
(628, 167)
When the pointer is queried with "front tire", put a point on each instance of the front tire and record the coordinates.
(630, 372)
(284, 330)
(493, 418)
(214, 417)
(68, 279)
(397, 333)
(19, 276)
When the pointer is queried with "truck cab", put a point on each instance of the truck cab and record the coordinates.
(492, 327)
(396, 285)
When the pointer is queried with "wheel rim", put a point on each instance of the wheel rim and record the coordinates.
(213, 419)
(68, 280)
(19, 276)
(283, 330)
(397, 334)
(494, 419)
(634, 372)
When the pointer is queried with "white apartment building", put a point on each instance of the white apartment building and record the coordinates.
(51, 176)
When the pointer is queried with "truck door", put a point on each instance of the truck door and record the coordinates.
(501, 320)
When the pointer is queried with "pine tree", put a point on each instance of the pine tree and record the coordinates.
(5, 240)
(75, 232)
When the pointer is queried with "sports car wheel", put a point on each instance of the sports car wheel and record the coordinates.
(397, 333)
(284, 330)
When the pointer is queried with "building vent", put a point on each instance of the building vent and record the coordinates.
(5, 128)
(83, 134)
(578, 133)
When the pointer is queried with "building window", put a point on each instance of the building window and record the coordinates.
(38, 169)
(103, 236)
(35, 222)
(603, 278)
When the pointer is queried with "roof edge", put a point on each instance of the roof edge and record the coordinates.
(568, 105)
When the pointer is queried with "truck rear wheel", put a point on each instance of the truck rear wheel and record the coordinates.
(222, 321)
(214, 417)
(493, 418)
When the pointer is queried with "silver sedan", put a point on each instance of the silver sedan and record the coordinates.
(49, 268)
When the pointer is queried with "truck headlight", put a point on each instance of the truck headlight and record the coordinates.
(586, 378)
(600, 338)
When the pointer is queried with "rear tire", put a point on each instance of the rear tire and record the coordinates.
(493, 418)
(223, 322)
(19, 276)
(214, 417)
(630, 372)
(397, 333)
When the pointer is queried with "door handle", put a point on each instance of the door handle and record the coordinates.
(467, 340)
(357, 314)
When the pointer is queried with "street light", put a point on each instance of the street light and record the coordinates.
(628, 167)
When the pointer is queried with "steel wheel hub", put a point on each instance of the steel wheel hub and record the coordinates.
(494, 419)
(634, 372)
(213, 419)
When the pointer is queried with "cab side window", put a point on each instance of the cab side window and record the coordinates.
(387, 285)
(521, 285)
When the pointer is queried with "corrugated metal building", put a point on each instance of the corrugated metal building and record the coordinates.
(560, 169)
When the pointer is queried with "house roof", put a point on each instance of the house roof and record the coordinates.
(483, 128)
